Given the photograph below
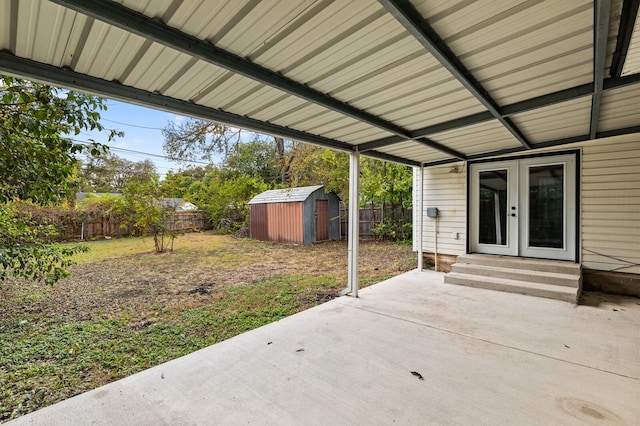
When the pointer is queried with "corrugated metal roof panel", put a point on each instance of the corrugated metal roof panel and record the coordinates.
(479, 138)
(620, 108)
(307, 113)
(552, 81)
(417, 75)
(525, 83)
(632, 63)
(614, 23)
(238, 26)
(427, 92)
(506, 43)
(226, 87)
(557, 121)
(42, 32)
(356, 135)
(417, 150)
(288, 195)
(326, 58)
(449, 109)
(328, 123)
(256, 97)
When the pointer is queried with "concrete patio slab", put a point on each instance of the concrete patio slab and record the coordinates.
(410, 350)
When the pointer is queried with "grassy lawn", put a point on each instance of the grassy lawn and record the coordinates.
(126, 309)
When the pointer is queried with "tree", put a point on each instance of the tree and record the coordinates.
(27, 250)
(37, 160)
(177, 184)
(313, 165)
(241, 151)
(390, 186)
(224, 197)
(142, 208)
(199, 140)
(254, 158)
(110, 173)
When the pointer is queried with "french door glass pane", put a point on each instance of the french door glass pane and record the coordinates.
(493, 207)
(546, 206)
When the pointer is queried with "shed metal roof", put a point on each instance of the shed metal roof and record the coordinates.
(288, 195)
(411, 81)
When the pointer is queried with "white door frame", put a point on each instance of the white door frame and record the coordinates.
(516, 190)
(568, 249)
(510, 246)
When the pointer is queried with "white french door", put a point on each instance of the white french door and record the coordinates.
(524, 207)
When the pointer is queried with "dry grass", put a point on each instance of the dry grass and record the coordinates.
(126, 309)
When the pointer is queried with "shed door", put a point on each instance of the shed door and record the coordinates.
(322, 220)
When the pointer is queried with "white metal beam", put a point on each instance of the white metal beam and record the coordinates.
(419, 218)
(354, 222)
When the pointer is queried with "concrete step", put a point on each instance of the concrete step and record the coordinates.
(543, 277)
(548, 291)
(542, 265)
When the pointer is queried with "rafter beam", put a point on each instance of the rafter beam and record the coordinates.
(601, 32)
(151, 29)
(625, 31)
(405, 13)
(49, 74)
(508, 110)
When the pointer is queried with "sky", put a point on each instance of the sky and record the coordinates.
(142, 134)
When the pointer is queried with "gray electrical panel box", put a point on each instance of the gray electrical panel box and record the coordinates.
(432, 212)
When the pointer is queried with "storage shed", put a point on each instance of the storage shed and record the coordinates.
(301, 215)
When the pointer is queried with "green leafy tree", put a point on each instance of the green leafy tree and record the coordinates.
(141, 208)
(225, 197)
(229, 208)
(110, 173)
(27, 249)
(177, 184)
(254, 158)
(37, 162)
(313, 165)
(390, 186)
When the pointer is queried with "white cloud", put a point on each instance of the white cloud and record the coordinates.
(177, 119)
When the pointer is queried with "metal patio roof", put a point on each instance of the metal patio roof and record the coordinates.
(417, 82)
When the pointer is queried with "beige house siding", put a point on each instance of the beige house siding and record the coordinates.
(448, 192)
(610, 204)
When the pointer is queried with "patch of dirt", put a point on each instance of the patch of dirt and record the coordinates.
(194, 278)
(201, 289)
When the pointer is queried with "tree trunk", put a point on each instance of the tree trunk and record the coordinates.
(282, 160)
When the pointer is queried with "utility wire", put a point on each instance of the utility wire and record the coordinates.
(131, 125)
(146, 154)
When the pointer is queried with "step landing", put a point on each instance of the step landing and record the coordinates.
(535, 277)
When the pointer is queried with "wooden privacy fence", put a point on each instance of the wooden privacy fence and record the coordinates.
(370, 217)
(111, 226)
(188, 222)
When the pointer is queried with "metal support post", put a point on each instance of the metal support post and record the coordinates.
(354, 222)
(419, 216)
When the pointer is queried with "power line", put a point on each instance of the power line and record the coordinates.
(146, 154)
(131, 125)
